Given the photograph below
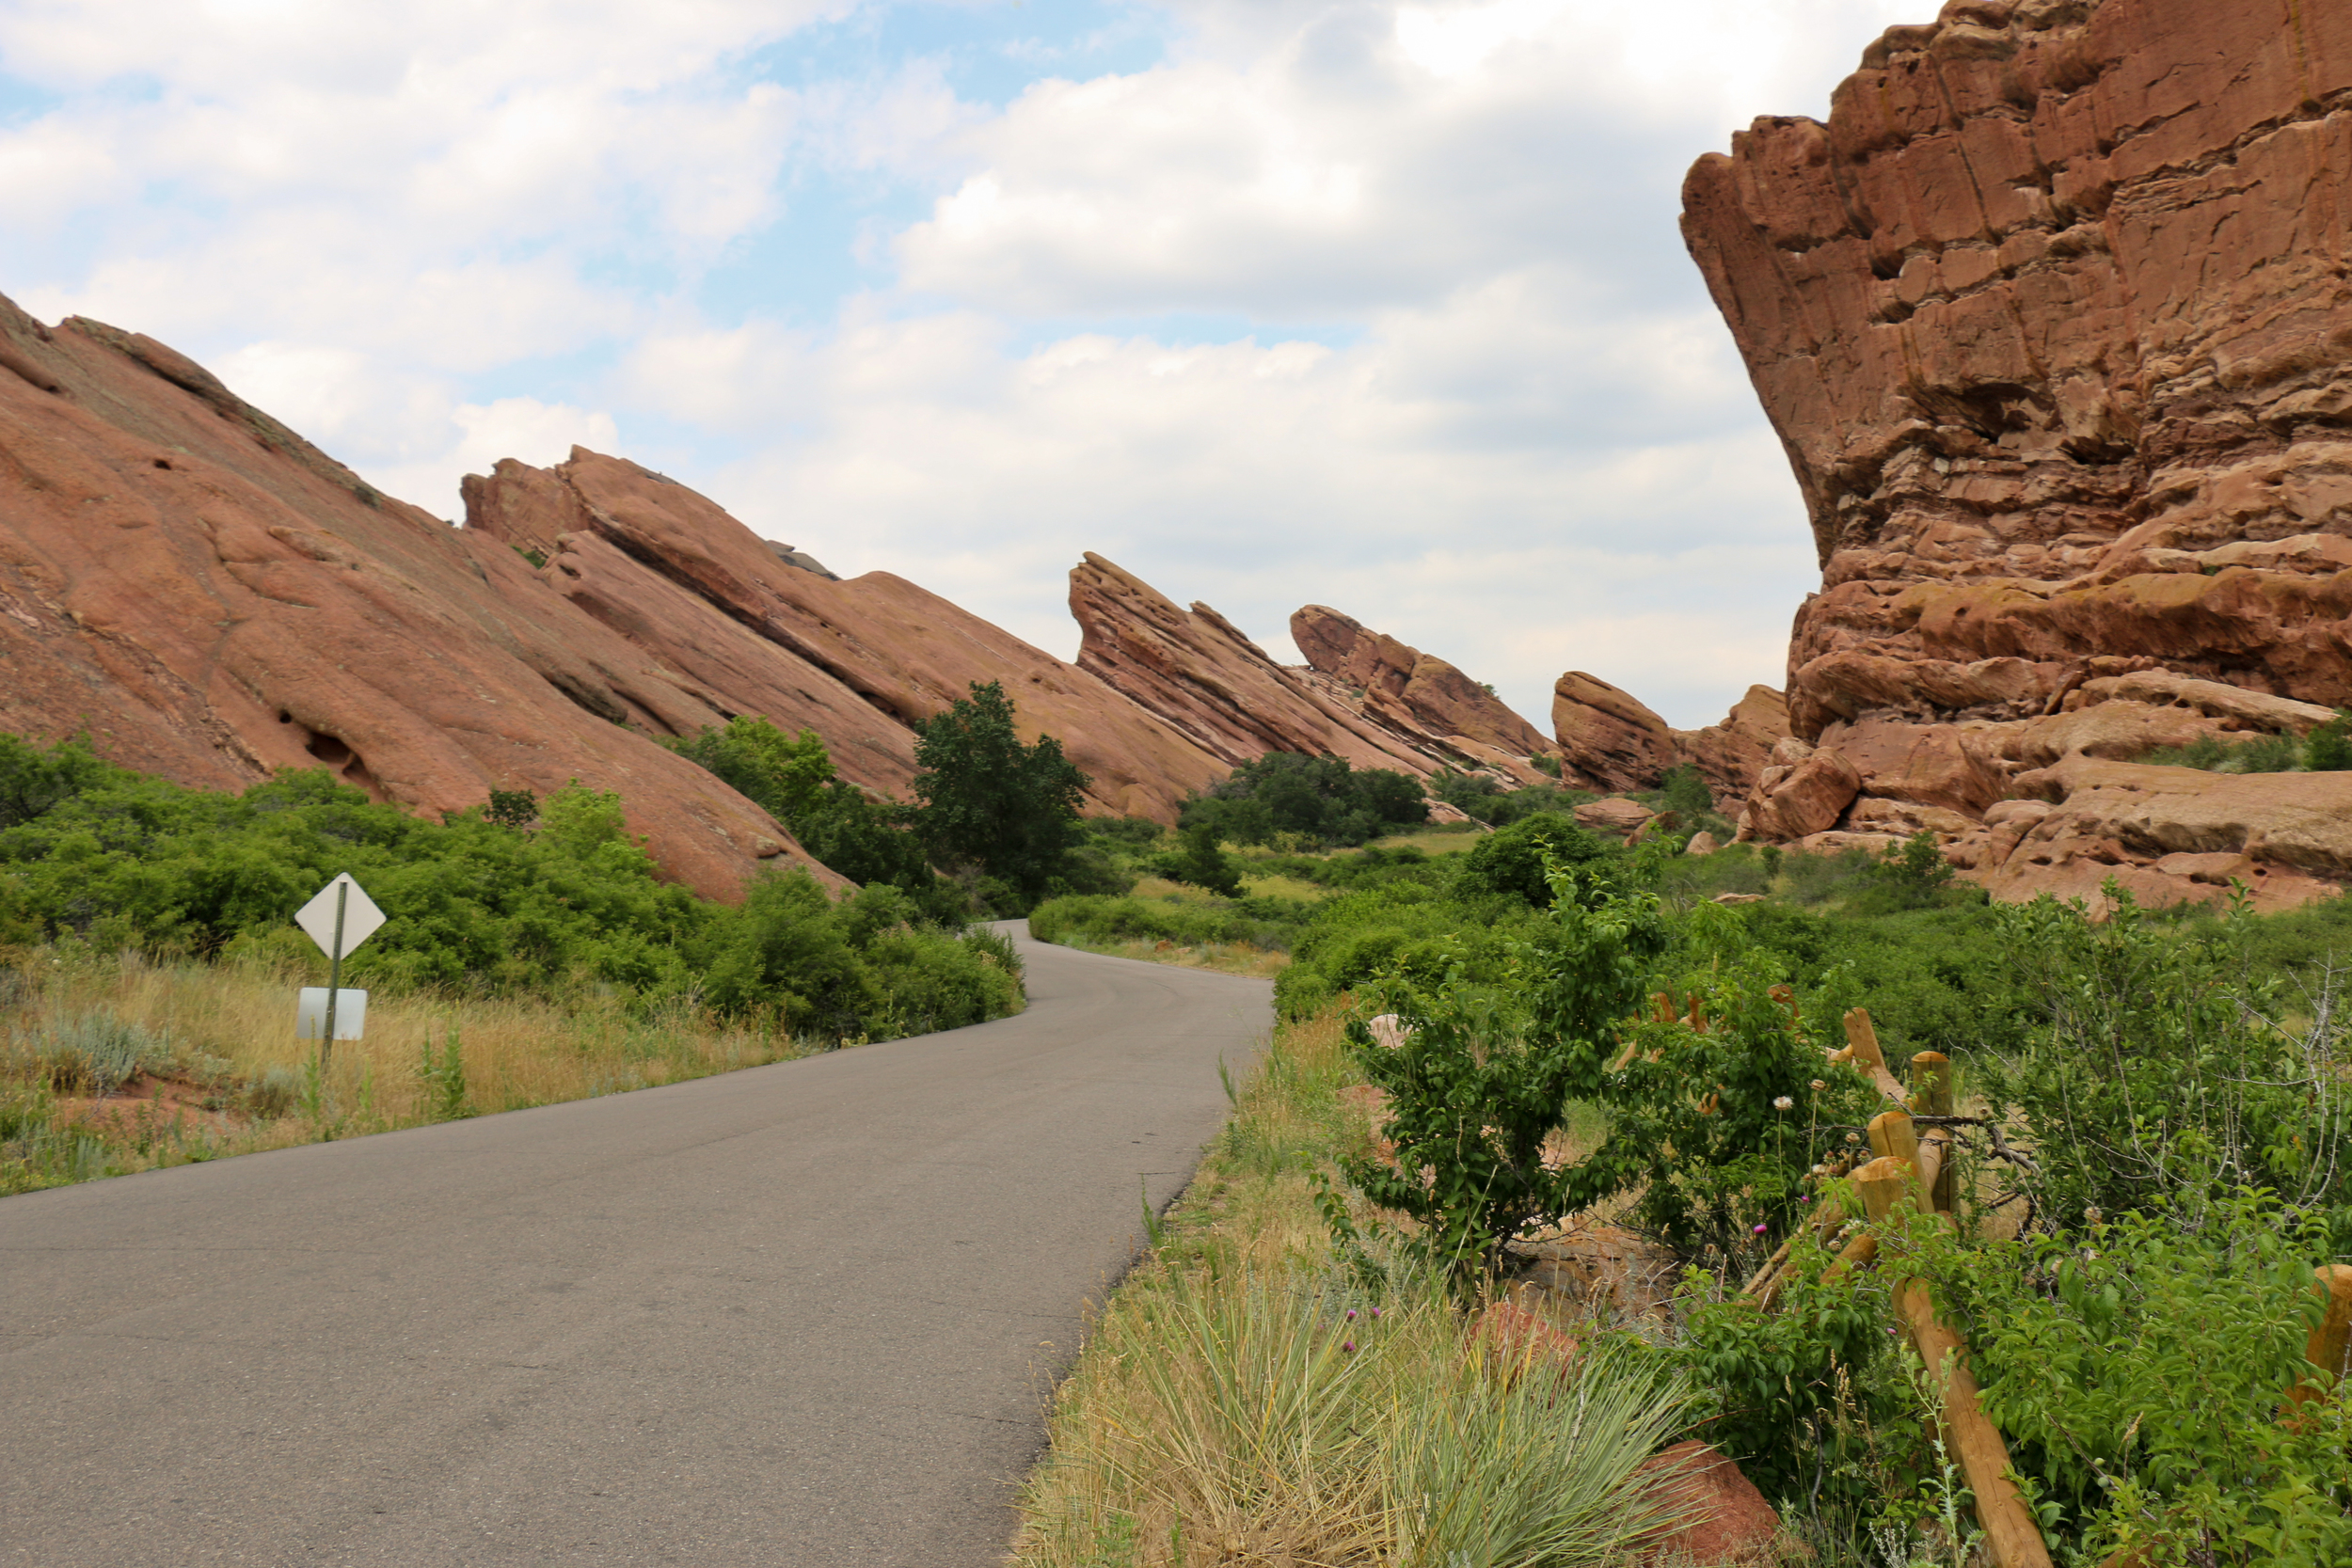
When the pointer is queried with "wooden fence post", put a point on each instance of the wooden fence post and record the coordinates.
(2009, 1526)
(1932, 1095)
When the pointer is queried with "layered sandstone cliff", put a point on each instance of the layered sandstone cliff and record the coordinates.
(1196, 670)
(2053, 319)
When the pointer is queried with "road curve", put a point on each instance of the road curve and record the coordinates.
(798, 1316)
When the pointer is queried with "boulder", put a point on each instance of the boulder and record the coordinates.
(1729, 1523)
(1624, 818)
(1809, 797)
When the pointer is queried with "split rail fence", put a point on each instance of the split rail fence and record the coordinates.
(1915, 1170)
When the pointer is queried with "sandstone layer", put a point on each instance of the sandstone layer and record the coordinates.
(1610, 740)
(1196, 669)
(2053, 321)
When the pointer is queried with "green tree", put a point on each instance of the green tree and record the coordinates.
(992, 805)
(1201, 863)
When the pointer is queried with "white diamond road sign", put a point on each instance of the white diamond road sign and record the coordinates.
(362, 918)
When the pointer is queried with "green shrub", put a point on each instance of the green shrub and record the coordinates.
(1199, 863)
(1472, 1095)
(2329, 748)
(1319, 799)
(1512, 862)
(2155, 1064)
(2137, 1369)
(2268, 754)
(1272, 924)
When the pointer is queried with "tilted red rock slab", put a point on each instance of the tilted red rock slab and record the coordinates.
(211, 599)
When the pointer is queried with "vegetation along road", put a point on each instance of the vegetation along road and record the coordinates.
(796, 1316)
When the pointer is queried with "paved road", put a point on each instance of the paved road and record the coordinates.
(800, 1315)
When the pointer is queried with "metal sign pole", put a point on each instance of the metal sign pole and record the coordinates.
(334, 980)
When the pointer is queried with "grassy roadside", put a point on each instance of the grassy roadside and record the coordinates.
(1243, 1398)
(114, 1063)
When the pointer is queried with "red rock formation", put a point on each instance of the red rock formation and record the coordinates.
(211, 598)
(1196, 670)
(2051, 319)
(1412, 693)
(1608, 740)
(859, 661)
(1727, 1522)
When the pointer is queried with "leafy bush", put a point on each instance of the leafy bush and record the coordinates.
(1472, 1098)
(2156, 1064)
(2139, 1377)
(2267, 753)
(1272, 924)
(1512, 862)
(1319, 799)
(1412, 928)
(1199, 863)
(121, 859)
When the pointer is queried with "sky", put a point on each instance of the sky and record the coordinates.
(1372, 305)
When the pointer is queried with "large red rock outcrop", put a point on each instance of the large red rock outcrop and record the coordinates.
(1610, 740)
(211, 599)
(1417, 695)
(2051, 319)
(1197, 670)
(858, 661)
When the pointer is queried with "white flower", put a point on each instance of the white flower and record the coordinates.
(1783, 1103)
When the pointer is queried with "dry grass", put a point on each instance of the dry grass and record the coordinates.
(1242, 1401)
(237, 1078)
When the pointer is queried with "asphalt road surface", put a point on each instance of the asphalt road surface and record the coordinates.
(799, 1316)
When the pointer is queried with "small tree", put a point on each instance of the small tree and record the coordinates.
(991, 804)
(1201, 863)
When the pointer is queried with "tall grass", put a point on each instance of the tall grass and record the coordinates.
(114, 1063)
(1241, 1398)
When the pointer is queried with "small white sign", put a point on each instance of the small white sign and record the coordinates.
(361, 919)
(351, 1013)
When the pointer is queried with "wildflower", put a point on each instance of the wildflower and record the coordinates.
(1351, 1314)
(1818, 1085)
(1348, 1345)
(1376, 1314)
(1853, 1138)
(1783, 1103)
(1759, 1228)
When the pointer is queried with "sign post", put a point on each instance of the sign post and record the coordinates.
(339, 919)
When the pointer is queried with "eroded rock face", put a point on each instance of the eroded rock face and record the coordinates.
(858, 661)
(2050, 317)
(1610, 740)
(211, 598)
(1198, 671)
(1416, 693)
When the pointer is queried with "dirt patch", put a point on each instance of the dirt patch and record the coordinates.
(150, 1105)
